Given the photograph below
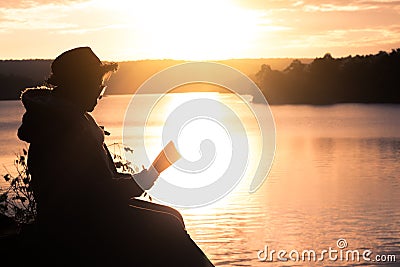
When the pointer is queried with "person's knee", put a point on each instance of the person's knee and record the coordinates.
(159, 210)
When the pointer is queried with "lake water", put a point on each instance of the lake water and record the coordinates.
(335, 175)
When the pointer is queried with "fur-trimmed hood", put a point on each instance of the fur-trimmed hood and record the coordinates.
(49, 117)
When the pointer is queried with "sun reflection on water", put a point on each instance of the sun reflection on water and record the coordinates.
(200, 129)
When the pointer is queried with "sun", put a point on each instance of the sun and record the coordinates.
(189, 30)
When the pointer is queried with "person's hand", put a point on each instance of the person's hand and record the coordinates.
(146, 178)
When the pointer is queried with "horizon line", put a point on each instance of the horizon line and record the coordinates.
(162, 59)
(221, 59)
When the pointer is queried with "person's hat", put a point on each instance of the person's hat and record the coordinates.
(79, 62)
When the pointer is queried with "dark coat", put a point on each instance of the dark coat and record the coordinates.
(68, 159)
(78, 191)
(86, 214)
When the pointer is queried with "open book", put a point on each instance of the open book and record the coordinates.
(168, 156)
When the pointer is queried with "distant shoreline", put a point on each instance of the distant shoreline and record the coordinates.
(283, 81)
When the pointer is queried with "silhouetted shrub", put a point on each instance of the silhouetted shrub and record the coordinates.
(17, 201)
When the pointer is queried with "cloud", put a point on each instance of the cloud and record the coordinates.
(310, 19)
(57, 16)
(33, 18)
(79, 31)
(334, 8)
(32, 3)
(316, 5)
(310, 27)
(340, 43)
(281, 27)
(350, 6)
(381, 3)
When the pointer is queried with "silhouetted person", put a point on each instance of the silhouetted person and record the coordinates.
(84, 206)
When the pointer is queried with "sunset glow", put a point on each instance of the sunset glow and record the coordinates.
(198, 30)
(192, 30)
(192, 134)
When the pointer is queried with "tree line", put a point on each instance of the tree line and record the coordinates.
(16, 75)
(327, 80)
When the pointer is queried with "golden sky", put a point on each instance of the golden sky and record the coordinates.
(198, 29)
